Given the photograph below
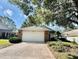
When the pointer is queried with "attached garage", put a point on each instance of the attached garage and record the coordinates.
(34, 34)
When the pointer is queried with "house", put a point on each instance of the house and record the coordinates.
(34, 34)
(4, 31)
(6, 27)
(72, 35)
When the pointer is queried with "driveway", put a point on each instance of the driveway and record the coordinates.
(26, 51)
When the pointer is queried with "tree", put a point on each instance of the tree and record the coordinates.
(24, 5)
(41, 17)
(48, 11)
(76, 3)
(65, 12)
(62, 8)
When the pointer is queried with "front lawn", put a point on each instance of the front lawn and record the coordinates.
(4, 43)
(64, 50)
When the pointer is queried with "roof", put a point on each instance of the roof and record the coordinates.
(35, 28)
(4, 28)
(71, 33)
(47, 27)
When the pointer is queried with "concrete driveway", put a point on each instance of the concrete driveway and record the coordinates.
(26, 51)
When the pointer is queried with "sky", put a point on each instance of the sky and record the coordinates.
(12, 11)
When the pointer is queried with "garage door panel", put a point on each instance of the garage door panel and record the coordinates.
(33, 36)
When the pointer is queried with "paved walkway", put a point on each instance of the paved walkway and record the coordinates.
(26, 51)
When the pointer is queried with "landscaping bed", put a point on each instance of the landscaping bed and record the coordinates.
(64, 50)
(4, 43)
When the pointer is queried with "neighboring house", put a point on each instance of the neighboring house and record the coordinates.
(34, 34)
(4, 31)
(6, 27)
(72, 35)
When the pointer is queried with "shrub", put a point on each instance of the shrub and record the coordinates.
(60, 46)
(64, 39)
(53, 39)
(14, 40)
(52, 43)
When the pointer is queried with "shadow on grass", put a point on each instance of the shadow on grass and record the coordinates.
(73, 57)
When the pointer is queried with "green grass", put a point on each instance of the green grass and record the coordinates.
(4, 43)
(64, 50)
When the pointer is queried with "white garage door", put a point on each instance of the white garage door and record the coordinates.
(33, 36)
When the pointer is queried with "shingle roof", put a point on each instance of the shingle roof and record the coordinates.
(35, 28)
(4, 28)
(71, 33)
